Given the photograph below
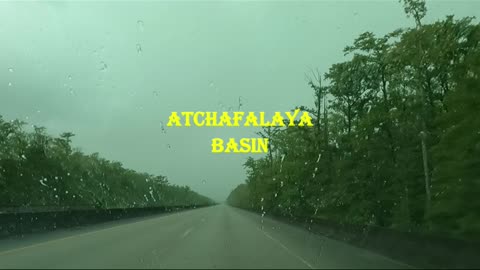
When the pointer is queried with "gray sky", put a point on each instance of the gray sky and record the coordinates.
(111, 72)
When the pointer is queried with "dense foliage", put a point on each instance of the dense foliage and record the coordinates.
(397, 139)
(40, 172)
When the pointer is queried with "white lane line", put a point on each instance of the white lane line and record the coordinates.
(187, 232)
(288, 250)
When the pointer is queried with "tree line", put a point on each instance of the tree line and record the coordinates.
(396, 141)
(41, 172)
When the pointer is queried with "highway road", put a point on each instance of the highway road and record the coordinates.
(212, 237)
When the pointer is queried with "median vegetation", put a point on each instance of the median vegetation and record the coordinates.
(396, 137)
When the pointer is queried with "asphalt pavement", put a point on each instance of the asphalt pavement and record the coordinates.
(213, 237)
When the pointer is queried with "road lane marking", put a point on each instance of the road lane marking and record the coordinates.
(187, 232)
(288, 250)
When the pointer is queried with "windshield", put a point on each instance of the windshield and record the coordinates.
(239, 134)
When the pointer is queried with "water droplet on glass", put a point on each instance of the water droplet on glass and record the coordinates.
(140, 25)
(261, 199)
(70, 77)
(56, 196)
(9, 84)
(10, 69)
(155, 93)
(24, 157)
(56, 177)
(169, 146)
(306, 162)
(204, 182)
(103, 66)
(162, 127)
(275, 195)
(42, 182)
(211, 84)
(139, 48)
(240, 103)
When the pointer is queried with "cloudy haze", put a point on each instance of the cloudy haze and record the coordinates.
(111, 72)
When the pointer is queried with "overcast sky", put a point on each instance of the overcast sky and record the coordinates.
(111, 72)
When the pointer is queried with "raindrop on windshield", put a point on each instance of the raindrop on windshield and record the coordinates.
(211, 84)
(139, 48)
(10, 69)
(162, 127)
(42, 182)
(103, 66)
(70, 77)
(140, 26)
(240, 103)
(9, 84)
(204, 181)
